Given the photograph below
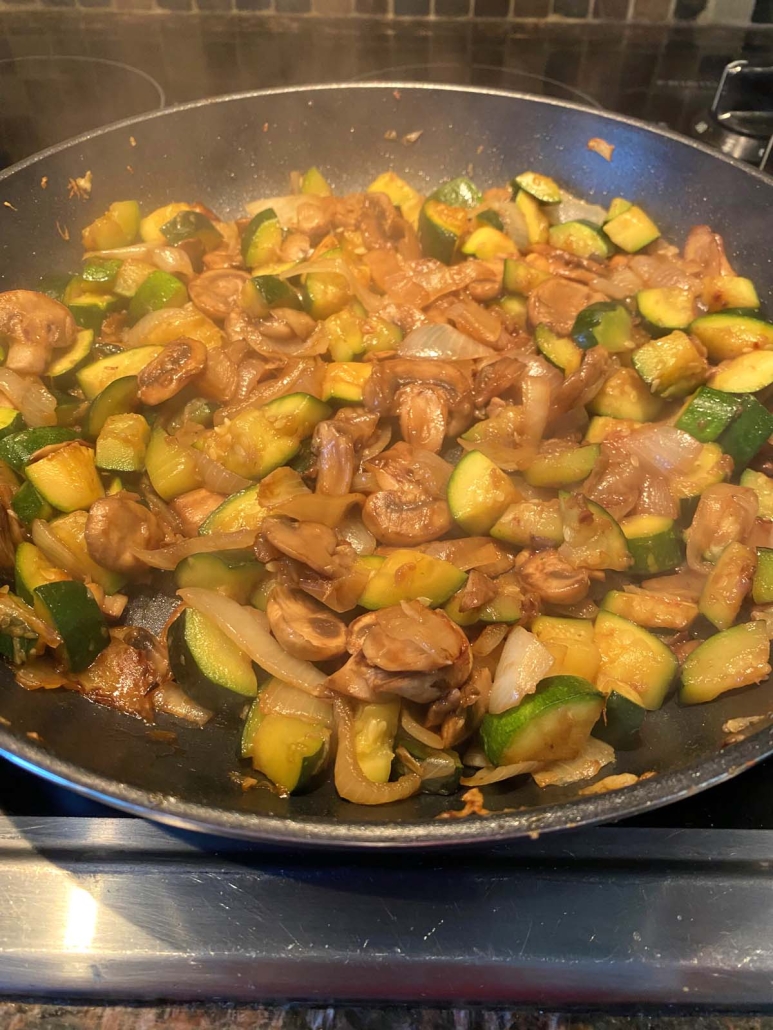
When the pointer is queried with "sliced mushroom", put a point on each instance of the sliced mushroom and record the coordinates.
(221, 376)
(496, 377)
(558, 302)
(551, 577)
(583, 385)
(423, 415)
(305, 628)
(400, 522)
(312, 543)
(164, 377)
(120, 677)
(707, 250)
(114, 527)
(217, 292)
(478, 590)
(382, 391)
(334, 449)
(32, 325)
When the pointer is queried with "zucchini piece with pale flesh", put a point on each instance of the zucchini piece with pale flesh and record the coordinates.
(581, 238)
(537, 224)
(208, 664)
(67, 478)
(556, 468)
(747, 433)
(117, 398)
(70, 530)
(541, 187)
(32, 569)
(290, 752)
(621, 720)
(708, 414)
(242, 510)
(407, 575)
(478, 493)
(29, 505)
(529, 524)
(736, 657)
(262, 239)
(122, 443)
(171, 468)
(748, 373)
(549, 725)
(652, 611)
(762, 485)
(159, 290)
(560, 351)
(375, 726)
(631, 230)
(671, 365)
(762, 585)
(93, 378)
(441, 227)
(607, 324)
(727, 335)
(228, 573)
(17, 449)
(654, 544)
(592, 538)
(666, 308)
(635, 657)
(625, 395)
(572, 644)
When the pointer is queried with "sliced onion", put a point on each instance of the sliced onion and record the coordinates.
(413, 727)
(286, 208)
(378, 443)
(590, 761)
(286, 699)
(168, 259)
(354, 531)
(57, 552)
(170, 557)
(475, 757)
(621, 283)
(490, 639)
(328, 510)
(173, 260)
(350, 781)
(573, 209)
(513, 222)
(248, 628)
(509, 459)
(140, 331)
(444, 343)
(655, 497)
(217, 477)
(136, 252)
(369, 300)
(170, 698)
(657, 271)
(523, 663)
(30, 397)
(665, 449)
(496, 773)
(686, 584)
(536, 406)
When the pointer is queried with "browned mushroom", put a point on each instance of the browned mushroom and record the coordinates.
(396, 520)
(312, 543)
(192, 508)
(406, 649)
(217, 292)
(583, 385)
(707, 250)
(497, 377)
(382, 391)
(478, 590)
(114, 527)
(284, 332)
(304, 627)
(334, 449)
(32, 325)
(551, 577)
(558, 302)
(120, 677)
(423, 415)
(164, 377)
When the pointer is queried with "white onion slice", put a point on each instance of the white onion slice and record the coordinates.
(590, 761)
(285, 699)
(572, 209)
(496, 773)
(444, 343)
(524, 662)
(419, 732)
(170, 557)
(665, 449)
(217, 477)
(28, 395)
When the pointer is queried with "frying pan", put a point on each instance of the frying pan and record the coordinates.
(232, 149)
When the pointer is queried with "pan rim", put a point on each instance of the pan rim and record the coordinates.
(532, 98)
(325, 832)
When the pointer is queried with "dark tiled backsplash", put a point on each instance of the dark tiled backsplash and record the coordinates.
(753, 13)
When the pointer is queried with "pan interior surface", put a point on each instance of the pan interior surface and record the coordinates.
(235, 149)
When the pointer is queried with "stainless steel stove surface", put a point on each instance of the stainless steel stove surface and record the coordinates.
(673, 906)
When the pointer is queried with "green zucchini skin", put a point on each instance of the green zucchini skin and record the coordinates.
(708, 414)
(17, 449)
(440, 770)
(620, 723)
(78, 621)
(217, 676)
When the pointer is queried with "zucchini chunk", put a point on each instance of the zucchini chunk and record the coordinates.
(653, 543)
(582, 238)
(537, 224)
(562, 468)
(572, 644)
(729, 291)
(762, 586)
(488, 243)
(549, 725)
(633, 656)
(541, 187)
(529, 524)
(726, 335)
(73, 358)
(460, 192)
(708, 413)
(407, 575)
(592, 538)
(344, 381)
(479, 493)
(560, 351)
(631, 230)
(602, 427)
(29, 505)
(228, 573)
(239, 511)
(671, 366)
(605, 324)
(520, 277)
(326, 293)
(10, 421)
(93, 378)
(313, 182)
(748, 373)
(191, 225)
(666, 308)
(763, 487)
(208, 664)
(625, 395)
(263, 293)
(117, 398)
(747, 433)
(67, 478)
(727, 585)
(617, 207)
(621, 719)
(375, 726)
(171, 468)
(117, 227)
(122, 443)
(290, 752)
(159, 290)
(73, 612)
(17, 449)
(71, 531)
(441, 227)
(653, 611)
(734, 658)
(262, 239)
(32, 569)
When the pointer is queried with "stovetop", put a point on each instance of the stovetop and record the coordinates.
(672, 906)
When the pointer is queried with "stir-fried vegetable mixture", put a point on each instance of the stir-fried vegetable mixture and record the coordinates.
(451, 488)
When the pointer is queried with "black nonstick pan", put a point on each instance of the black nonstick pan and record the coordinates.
(229, 150)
